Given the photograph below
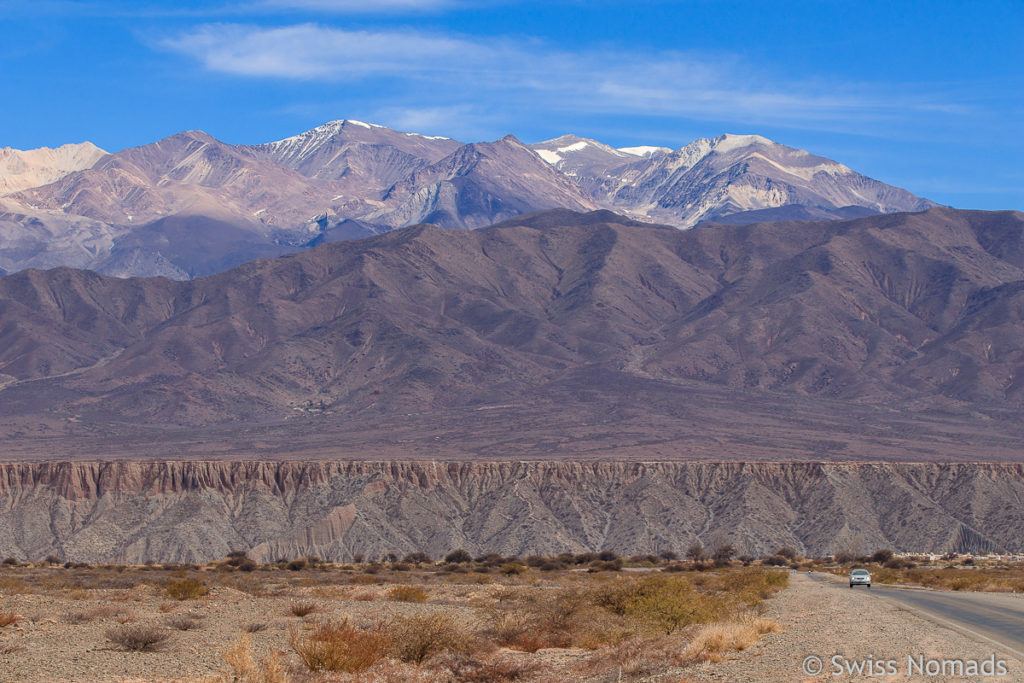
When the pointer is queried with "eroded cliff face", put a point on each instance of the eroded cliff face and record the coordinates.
(199, 511)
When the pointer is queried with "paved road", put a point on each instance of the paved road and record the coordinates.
(995, 616)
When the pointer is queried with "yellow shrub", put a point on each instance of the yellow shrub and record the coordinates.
(407, 594)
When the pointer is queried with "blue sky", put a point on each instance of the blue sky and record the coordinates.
(923, 95)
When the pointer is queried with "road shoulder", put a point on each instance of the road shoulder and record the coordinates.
(827, 620)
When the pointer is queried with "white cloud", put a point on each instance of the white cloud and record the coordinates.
(448, 71)
(467, 122)
(310, 51)
(360, 6)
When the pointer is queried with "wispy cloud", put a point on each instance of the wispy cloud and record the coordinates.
(309, 51)
(449, 71)
(359, 6)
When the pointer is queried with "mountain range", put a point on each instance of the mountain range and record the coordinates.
(191, 205)
(556, 335)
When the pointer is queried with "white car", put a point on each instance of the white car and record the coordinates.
(860, 577)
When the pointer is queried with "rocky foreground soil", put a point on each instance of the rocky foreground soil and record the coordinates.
(62, 635)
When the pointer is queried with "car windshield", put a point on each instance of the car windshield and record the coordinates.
(860, 572)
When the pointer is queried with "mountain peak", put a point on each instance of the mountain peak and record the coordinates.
(23, 169)
(729, 141)
(572, 149)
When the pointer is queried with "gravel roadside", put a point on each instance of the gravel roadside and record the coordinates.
(827, 619)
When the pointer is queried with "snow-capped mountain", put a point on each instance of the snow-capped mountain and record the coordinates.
(367, 153)
(190, 204)
(711, 179)
(582, 157)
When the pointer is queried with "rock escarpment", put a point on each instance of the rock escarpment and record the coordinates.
(198, 511)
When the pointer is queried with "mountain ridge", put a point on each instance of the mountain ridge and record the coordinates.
(563, 322)
(135, 212)
(199, 511)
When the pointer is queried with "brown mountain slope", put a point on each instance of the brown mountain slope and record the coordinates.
(559, 323)
(199, 511)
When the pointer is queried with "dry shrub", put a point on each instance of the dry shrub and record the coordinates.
(252, 585)
(1003, 579)
(304, 608)
(9, 618)
(10, 649)
(138, 637)
(568, 618)
(559, 618)
(255, 627)
(184, 622)
(186, 589)
(751, 586)
(617, 596)
(407, 594)
(243, 667)
(712, 640)
(510, 626)
(635, 657)
(166, 607)
(11, 586)
(466, 669)
(364, 580)
(107, 612)
(415, 638)
(338, 646)
(668, 603)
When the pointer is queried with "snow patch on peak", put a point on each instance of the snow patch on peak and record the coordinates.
(548, 156)
(362, 123)
(426, 137)
(644, 150)
(574, 147)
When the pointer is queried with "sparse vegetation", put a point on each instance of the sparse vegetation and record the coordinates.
(138, 637)
(186, 589)
(714, 639)
(338, 646)
(989, 579)
(184, 622)
(243, 667)
(9, 618)
(407, 594)
(414, 638)
(633, 622)
(459, 556)
(303, 608)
